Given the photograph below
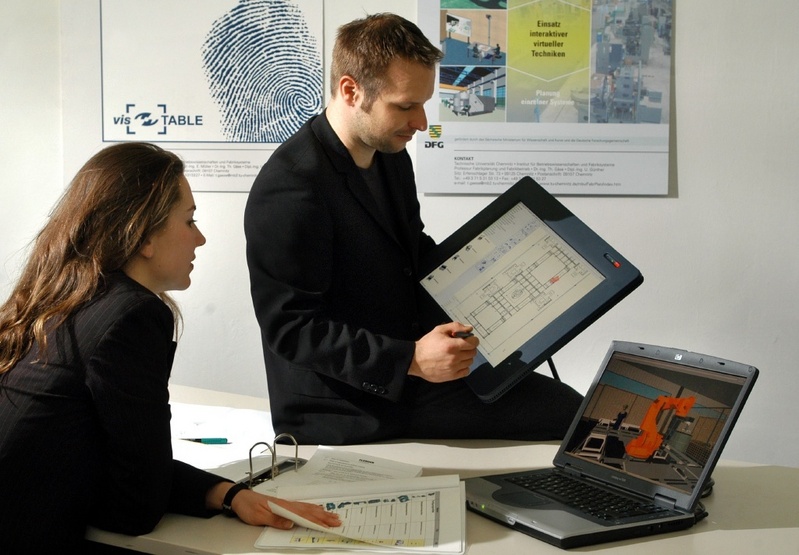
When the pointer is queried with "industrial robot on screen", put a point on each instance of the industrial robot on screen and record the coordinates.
(650, 440)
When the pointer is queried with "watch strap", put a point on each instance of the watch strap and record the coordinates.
(228, 501)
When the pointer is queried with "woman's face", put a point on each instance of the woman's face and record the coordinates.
(168, 254)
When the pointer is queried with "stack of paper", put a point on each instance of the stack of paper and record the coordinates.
(330, 465)
(419, 515)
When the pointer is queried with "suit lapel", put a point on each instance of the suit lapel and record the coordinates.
(394, 190)
(357, 186)
(360, 190)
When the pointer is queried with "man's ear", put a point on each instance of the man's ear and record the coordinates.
(349, 90)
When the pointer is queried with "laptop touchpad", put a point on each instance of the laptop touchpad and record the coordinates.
(520, 498)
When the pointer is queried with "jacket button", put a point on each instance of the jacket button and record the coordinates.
(407, 271)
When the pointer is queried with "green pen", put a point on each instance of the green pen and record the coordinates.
(207, 440)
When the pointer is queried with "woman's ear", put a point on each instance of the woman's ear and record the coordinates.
(147, 249)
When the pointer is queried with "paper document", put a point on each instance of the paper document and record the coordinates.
(419, 515)
(329, 465)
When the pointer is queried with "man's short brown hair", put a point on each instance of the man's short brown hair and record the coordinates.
(365, 48)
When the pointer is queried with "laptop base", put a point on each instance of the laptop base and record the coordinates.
(588, 539)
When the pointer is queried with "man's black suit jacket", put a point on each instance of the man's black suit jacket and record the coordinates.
(84, 429)
(335, 288)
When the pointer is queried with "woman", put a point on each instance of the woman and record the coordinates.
(85, 355)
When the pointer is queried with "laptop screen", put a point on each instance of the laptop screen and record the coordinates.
(661, 417)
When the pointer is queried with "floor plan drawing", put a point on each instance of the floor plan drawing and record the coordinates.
(511, 281)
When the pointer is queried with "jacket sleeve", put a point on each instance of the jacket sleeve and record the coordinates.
(189, 486)
(301, 281)
(127, 376)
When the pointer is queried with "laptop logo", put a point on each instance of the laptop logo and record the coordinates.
(678, 357)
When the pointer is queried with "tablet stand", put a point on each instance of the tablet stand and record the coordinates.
(552, 369)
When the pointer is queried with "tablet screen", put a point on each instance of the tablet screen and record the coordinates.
(528, 275)
(511, 281)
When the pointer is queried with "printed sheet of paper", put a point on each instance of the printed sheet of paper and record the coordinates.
(329, 465)
(422, 515)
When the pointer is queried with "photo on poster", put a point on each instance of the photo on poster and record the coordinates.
(574, 94)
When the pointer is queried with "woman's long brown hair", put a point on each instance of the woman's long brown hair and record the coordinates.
(119, 198)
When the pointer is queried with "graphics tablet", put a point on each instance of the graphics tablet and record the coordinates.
(528, 275)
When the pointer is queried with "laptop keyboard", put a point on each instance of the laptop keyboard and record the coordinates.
(585, 497)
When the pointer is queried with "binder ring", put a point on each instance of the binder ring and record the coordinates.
(273, 451)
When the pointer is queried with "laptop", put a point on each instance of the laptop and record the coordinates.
(649, 432)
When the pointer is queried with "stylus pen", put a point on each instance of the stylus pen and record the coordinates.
(207, 440)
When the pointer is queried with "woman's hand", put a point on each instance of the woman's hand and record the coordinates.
(253, 508)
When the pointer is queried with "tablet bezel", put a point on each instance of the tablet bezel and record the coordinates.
(489, 383)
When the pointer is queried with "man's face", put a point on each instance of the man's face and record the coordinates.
(398, 111)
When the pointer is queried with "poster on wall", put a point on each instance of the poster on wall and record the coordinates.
(219, 82)
(572, 93)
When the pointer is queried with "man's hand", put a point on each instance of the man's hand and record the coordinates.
(442, 356)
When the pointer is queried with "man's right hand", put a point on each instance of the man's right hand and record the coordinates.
(442, 356)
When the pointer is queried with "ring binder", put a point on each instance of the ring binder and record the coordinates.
(253, 479)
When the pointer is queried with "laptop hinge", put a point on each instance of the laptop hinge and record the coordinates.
(571, 471)
(665, 501)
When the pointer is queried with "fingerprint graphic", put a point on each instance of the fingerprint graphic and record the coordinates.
(264, 70)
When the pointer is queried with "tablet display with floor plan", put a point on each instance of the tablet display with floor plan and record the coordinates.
(528, 275)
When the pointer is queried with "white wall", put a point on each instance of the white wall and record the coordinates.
(719, 255)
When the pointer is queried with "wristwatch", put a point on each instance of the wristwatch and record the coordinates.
(231, 493)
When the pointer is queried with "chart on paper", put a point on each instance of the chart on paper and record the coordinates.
(415, 515)
(408, 520)
(511, 281)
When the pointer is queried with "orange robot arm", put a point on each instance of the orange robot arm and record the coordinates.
(649, 440)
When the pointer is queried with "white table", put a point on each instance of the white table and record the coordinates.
(753, 509)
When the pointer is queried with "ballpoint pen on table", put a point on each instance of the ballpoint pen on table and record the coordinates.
(208, 440)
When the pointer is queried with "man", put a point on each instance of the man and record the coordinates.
(334, 239)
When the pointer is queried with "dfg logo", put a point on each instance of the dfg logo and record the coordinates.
(434, 132)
